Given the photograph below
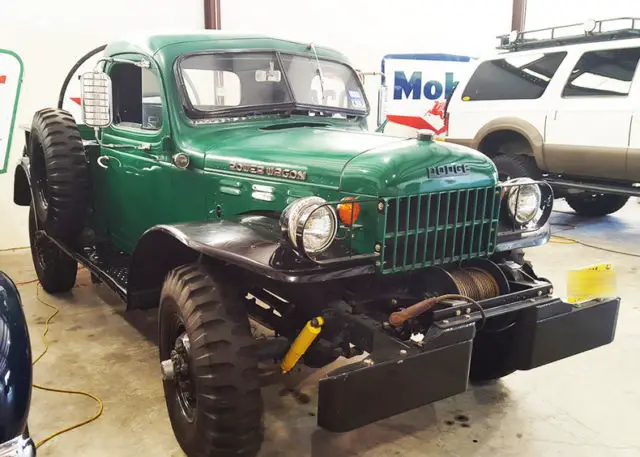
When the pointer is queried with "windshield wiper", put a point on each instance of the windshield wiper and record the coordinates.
(312, 46)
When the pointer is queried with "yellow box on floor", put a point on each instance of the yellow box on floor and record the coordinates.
(594, 281)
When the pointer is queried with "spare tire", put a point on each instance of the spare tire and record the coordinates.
(59, 173)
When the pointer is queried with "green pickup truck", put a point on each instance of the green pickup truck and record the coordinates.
(231, 181)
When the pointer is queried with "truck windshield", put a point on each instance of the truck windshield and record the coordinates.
(218, 84)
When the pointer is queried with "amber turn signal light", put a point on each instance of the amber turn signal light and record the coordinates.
(348, 212)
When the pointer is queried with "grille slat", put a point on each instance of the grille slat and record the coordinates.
(465, 227)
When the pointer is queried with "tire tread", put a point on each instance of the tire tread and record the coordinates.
(224, 364)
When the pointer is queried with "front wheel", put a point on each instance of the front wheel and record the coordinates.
(595, 205)
(209, 365)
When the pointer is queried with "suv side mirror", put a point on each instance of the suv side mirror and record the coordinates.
(95, 87)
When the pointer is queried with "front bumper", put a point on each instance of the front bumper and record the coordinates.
(20, 446)
(397, 377)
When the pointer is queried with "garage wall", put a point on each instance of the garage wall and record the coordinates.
(50, 37)
(548, 13)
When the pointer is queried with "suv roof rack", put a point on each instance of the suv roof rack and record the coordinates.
(587, 32)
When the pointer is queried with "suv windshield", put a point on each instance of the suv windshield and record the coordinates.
(225, 83)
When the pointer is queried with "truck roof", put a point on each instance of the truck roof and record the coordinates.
(198, 40)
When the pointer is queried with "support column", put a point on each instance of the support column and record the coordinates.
(212, 14)
(519, 14)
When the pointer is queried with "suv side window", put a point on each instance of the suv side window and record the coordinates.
(603, 73)
(517, 77)
(137, 101)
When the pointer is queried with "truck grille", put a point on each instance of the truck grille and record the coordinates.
(437, 228)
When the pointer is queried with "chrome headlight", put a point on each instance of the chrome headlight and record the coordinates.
(523, 200)
(310, 224)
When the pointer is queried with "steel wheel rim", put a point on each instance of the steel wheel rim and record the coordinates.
(183, 383)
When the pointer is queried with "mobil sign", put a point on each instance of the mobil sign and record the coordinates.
(10, 83)
(418, 86)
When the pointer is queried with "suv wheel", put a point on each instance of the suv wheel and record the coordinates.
(516, 166)
(209, 365)
(594, 205)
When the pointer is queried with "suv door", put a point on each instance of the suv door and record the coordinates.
(633, 153)
(137, 184)
(587, 134)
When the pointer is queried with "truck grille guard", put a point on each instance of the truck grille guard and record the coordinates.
(421, 230)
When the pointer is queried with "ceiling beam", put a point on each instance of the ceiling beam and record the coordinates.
(518, 15)
(212, 14)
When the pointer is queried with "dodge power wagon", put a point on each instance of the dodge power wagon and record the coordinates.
(232, 182)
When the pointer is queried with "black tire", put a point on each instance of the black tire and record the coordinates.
(55, 270)
(491, 355)
(491, 358)
(59, 173)
(218, 411)
(595, 205)
(516, 166)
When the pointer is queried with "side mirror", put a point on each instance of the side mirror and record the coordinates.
(95, 87)
(382, 99)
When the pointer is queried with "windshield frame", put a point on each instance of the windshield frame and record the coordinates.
(284, 107)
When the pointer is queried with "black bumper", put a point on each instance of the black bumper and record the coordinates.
(396, 378)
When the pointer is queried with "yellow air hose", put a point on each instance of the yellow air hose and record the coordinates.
(43, 336)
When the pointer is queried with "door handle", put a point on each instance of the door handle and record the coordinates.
(102, 161)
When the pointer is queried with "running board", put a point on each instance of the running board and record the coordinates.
(112, 268)
(600, 188)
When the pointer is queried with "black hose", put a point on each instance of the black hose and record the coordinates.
(78, 64)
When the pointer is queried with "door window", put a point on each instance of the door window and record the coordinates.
(517, 77)
(603, 73)
(137, 100)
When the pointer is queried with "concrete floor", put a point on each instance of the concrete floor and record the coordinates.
(584, 406)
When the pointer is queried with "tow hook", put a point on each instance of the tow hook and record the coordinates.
(168, 370)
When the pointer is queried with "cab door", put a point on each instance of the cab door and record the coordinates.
(587, 132)
(134, 157)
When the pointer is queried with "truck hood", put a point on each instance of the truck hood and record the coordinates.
(352, 161)
(413, 167)
(321, 152)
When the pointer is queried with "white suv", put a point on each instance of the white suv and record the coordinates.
(564, 107)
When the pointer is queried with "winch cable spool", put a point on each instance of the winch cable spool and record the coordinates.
(472, 284)
(475, 283)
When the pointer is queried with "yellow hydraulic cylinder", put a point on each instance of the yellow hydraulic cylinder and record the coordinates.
(302, 342)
